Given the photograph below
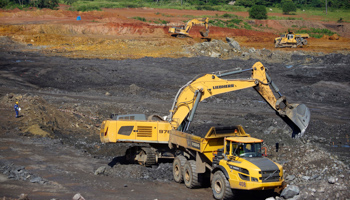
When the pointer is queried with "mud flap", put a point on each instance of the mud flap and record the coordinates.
(200, 164)
(298, 118)
(278, 190)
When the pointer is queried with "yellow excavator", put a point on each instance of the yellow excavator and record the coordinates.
(184, 31)
(227, 157)
(153, 133)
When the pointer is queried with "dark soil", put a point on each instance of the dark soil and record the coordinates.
(92, 89)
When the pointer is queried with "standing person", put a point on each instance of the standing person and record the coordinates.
(17, 109)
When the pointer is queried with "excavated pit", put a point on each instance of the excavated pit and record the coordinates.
(70, 78)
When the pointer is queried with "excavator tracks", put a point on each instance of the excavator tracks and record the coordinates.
(151, 157)
(145, 156)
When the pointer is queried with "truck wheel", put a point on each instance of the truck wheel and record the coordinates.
(221, 187)
(178, 164)
(191, 178)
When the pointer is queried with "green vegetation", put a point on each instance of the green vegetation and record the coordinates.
(337, 9)
(316, 32)
(85, 8)
(11, 4)
(140, 18)
(231, 23)
(288, 7)
(247, 26)
(258, 12)
(159, 21)
(313, 32)
(283, 18)
(69, 2)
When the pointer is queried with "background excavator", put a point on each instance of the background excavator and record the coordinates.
(185, 30)
(154, 132)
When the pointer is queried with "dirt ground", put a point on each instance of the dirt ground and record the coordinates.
(70, 75)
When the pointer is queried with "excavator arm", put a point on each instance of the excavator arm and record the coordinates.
(200, 88)
(192, 22)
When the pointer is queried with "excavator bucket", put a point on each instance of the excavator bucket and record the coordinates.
(298, 118)
(204, 33)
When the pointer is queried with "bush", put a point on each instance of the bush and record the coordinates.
(85, 8)
(48, 4)
(205, 7)
(70, 2)
(258, 12)
(4, 3)
(288, 7)
(140, 18)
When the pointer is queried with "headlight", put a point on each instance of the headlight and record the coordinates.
(254, 179)
(245, 171)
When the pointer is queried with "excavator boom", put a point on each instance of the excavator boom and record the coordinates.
(188, 97)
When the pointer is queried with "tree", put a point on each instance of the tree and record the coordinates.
(48, 4)
(258, 12)
(288, 7)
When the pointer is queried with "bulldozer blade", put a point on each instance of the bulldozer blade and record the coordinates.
(298, 118)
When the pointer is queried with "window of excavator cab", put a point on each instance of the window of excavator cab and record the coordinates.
(246, 149)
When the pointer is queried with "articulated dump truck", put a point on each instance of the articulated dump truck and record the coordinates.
(227, 157)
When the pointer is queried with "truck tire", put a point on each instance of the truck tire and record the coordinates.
(178, 165)
(191, 178)
(221, 187)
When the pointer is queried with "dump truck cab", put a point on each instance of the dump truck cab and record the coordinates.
(246, 167)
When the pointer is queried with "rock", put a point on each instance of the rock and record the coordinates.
(290, 191)
(290, 177)
(134, 89)
(233, 43)
(36, 180)
(314, 177)
(321, 189)
(269, 130)
(332, 180)
(334, 37)
(108, 94)
(23, 197)
(252, 50)
(306, 178)
(100, 170)
(78, 197)
(245, 54)
(215, 55)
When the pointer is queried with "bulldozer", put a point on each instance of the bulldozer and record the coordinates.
(184, 31)
(291, 40)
